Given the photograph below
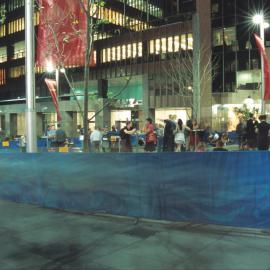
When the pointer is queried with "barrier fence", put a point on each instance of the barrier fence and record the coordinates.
(220, 188)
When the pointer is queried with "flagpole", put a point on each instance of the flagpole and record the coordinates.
(262, 70)
(31, 132)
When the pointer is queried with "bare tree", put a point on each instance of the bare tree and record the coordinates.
(180, 70)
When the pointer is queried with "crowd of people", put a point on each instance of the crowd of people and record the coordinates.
(253, 133)
(170, 135)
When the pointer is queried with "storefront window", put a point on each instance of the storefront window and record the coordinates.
(218, 37)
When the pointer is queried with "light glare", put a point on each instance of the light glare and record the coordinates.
(258, 19)
(50, 67)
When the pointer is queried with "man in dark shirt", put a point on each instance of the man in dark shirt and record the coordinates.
(263, 131)
(125, 134)
(250, 131)
(60, 136)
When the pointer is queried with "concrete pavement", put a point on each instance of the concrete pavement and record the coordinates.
(38, 238)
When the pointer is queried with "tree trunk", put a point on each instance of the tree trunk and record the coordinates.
(86, 76)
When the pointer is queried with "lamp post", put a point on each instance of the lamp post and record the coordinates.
(31, 131)
(258, 19)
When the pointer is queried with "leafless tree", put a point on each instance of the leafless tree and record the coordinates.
(180, 70)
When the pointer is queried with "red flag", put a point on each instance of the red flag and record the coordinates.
(266, 70)
(52, 88)
(61, 34)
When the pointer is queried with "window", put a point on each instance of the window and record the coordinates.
(3, 54)
(16, 72)
(176, 44)
(218, 37)
(2, 30)
(124, 52)
(140, 49)
(190, 42)
(152, 47)
(157, 50)
(2, 76)
(170, 44)
(14, 4)
(134, 50)
(118, 53)
(16, 26)
(224, 36)
(19, 50)
(184, 42)
(229, 36)
(163, 45)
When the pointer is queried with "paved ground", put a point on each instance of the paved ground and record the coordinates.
(36, 238)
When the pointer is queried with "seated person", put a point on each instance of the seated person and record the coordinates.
(220, 146)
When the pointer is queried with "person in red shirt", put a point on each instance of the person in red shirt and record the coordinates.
(150, 136)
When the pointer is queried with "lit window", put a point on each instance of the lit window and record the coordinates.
(152, 47)
(109, 55)
(190, 42)
(140, 49)
(183, 42)
(113, 54)
(163, 45)
(170, 44)
(157, 46)
(134, 50)
(176, 44)
(103, 58)
(118, 53)
(124, 56)
(129, 51)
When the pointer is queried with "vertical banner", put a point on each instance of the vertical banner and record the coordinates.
(61, 34)
(266, 70)
(52, 88)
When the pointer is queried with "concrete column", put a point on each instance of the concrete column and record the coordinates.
(13, 124)
(40, 124)
(102, 88)
(69, 123)
(7, 124)
(202, 51)
(103, 119)
(2, 122)
(146, 110)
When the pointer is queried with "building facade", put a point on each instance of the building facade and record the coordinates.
(138, 54)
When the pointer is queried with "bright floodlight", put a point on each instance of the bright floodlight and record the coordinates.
(49, 67)
(258, 19)
(266, 25)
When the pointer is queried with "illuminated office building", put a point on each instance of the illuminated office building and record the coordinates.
(138, 41)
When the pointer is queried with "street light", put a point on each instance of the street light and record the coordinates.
(258, 19)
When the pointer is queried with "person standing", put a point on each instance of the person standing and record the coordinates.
(160, 135)
(150, 136)
(60, 136)
(126, 134)
(240, 132)
(96, 139)
(168, 139)
(251, 131)
(113, 137)
(179, 138)
(263, 131)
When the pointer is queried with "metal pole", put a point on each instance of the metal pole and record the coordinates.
(31, 132)
(57, 82)
(262, 70)
(57, 85)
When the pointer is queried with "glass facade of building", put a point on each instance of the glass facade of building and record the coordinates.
(233, 44)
